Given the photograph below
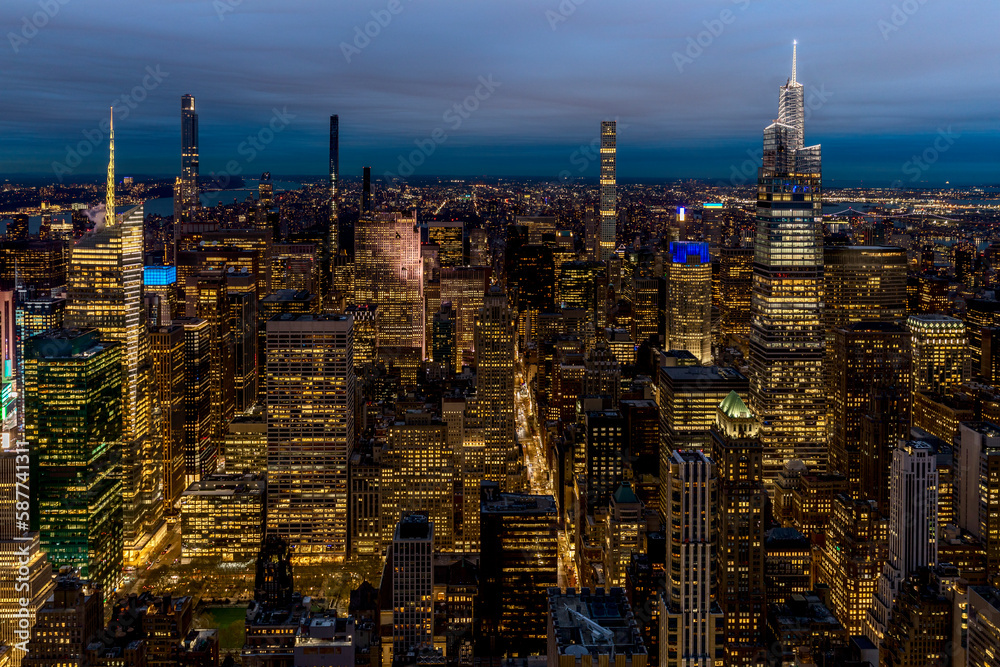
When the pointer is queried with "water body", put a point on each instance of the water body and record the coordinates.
(164, 206)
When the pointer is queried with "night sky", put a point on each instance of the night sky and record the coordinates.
(889, 80)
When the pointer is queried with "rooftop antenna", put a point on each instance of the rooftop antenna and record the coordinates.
(795, 47)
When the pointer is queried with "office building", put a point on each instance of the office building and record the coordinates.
(689, 397)
(609, 195)
(65, 625)
(74, 425)
(787, 563)
(740, 590)
(222, 516)
(852, 559)
(412, 567)
(606, 455)
(689, 300)
(420, 473)
(913, 528)
(692, 630)
(786, 338)
(207, 297)
(105, 292)
(464, 288)
(389, 275)
(984, 626)
(869, 360)
(736, 283)
(863, 283)
(977, 473)
(921, 627)
(200, 449)
(940, 354)
(170, 382)
(33, 264)
(518, 565)
(310, 431)
(282, 301)
(495, 354)
(245, 447)
(448, 235)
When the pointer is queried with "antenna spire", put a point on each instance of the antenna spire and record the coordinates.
(109, 202)
(795, 47)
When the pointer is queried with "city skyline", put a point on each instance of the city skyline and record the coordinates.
(877, 97)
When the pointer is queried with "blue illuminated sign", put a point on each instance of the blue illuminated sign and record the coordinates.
(682, 251)
(154, 276)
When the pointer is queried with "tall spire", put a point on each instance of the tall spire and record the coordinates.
(109, 201)
(795, 47)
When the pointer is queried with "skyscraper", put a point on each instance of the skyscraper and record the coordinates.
(389, 274)
(786, 338)
(689, 300)
(495, 381)
(74, 418)
(189, 200)
(104, 292)
(737, 453)
(412, 556)
(334, 237)
(691, 621)
(913, 529)
(310, 431)
(940, 352)
(609, 196)
(870, 361)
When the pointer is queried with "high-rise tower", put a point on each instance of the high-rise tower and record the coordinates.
(189, 158)
(786, 338)
(494, 345)
(104, 292)
(689, 300)
(609, 196)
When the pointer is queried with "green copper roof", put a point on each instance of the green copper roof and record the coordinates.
(734, 407)
(624, 495)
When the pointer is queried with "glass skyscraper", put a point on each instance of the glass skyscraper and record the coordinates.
(787, 335)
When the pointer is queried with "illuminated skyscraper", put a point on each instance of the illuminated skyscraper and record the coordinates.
(189, 192)
(940, 352)
(167, 344)
(870, 361)
(104, 292)
(74, 418)
(852, 559)
(495, 356)
(736, 266)
(913, 529)
(520, 552)
(334, 235)
(310, 431)
(412, 567)
(691, 621)
(464, 287)
(786, 339)
(200, 452)
(389, 274)
(449, 238)
(208, 299)
(689, 300)
(609, 195)
(421, 474)
(863, 283)
(737, 453)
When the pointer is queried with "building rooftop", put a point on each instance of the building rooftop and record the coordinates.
(595, 624)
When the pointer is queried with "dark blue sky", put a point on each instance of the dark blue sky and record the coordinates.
(887, 77)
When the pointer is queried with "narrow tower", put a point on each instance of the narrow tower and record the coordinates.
(787, 335)
(609, 197)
